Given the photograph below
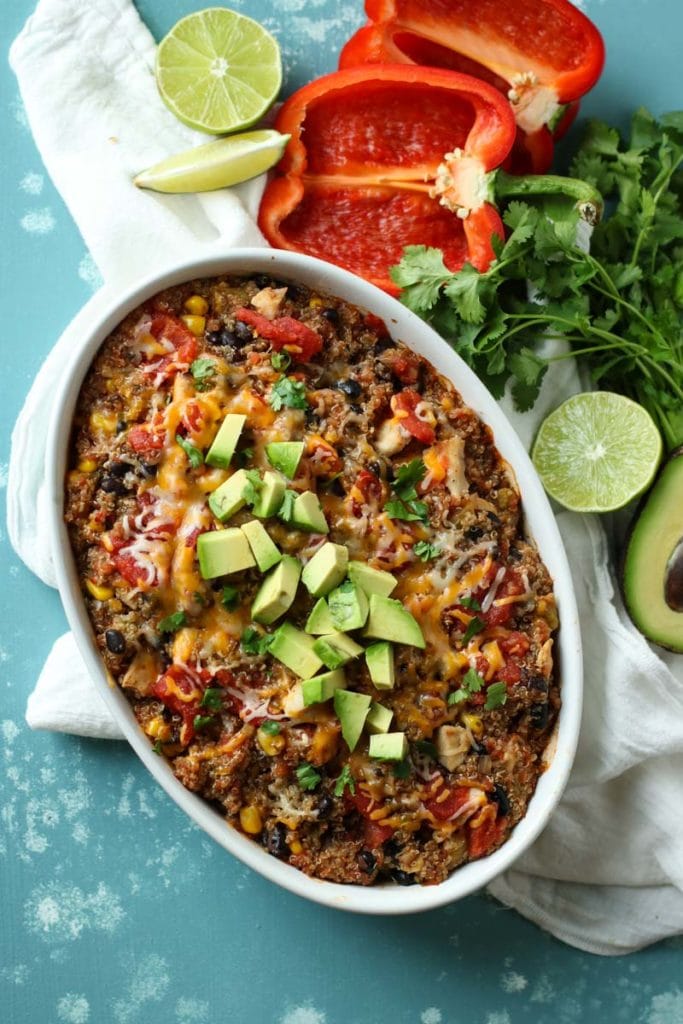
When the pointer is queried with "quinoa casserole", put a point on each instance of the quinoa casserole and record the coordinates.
(304, 563)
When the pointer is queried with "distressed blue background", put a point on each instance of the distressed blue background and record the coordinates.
(115, 908)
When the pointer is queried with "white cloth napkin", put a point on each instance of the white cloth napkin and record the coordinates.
(607, 873)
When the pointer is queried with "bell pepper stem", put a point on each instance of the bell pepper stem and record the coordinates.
(588, 200)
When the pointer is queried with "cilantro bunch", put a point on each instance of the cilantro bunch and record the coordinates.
(619, 306)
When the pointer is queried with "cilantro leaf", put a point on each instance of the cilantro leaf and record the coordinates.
(280, 360)
(172, 623)
(496, 696)
(230, 597)
(194, 455)
(270, 728)
(286, 510)
(212, 698)
(287, 392)
(474, 626)
(408, 474)
(470, 602)
(253, 487)
(345, 781)
(426, 747)
(401, 769)
(410, 511)
(426, 551)
(201, 721)
(203, 370)
(307, 777)
(420, 274)
(472, 682)
(253, 642)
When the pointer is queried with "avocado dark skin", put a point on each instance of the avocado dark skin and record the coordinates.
(652, 571)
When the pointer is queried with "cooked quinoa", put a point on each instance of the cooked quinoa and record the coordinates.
(409, 482)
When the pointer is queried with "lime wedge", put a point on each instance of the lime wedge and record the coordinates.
(218, 164)
(218, 71)
(597, 451)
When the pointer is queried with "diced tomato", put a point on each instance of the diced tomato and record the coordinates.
(191, 539)
(322, 457)
(131, 571)
(177, 678)
(445, 808)
(376, 324)
(145, 440)
(404, 405)
(192, 417)
(500, 615)
(374, 832)
(406, 368)
(510, 672)
(295, 337)
(369, 485)
(169, 328)
(486, 836)
(514, 643)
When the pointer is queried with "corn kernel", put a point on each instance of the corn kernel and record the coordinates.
(104, 422)
(87, 466)
(95, 525)
(107, 542)
(196, 324)
(296, 847)
(75, 478)
(115, 605)
(197, 305)
(250, 820)
(158, 729)
(271, 744)
(474, 724)
(98, 592)
(316, 302)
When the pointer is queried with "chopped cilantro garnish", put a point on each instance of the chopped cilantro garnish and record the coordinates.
(253, 642)
(472, 682)
(426, 747)
(201, 721)
(475, 626)
(172, 622)
(269, 727)
(426, 551)
(307, 777)
(230, 597)
(202, 371)
(406, 505)
(212, 698)
(471, 603)
(288, 393)
(243, 456)
(253, 486)
(194, 455)
(496, 696)
(345, 781)
(280, 360)
(402, 770)
(156, 749)
(286, 510)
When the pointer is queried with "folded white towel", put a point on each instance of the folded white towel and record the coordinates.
(607, 873)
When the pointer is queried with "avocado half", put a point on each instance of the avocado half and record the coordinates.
(652, 579)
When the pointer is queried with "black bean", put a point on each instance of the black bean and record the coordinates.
(111, 485)
(356, 409)
(148, 469)
(392, 847)
(120, 426)
(297, 294)
(331, 314)
(118, 468)
(368, 862)
(538, 716)
(375, 467)
(539, 683)
(222, 338)
(262, 280)
(115, 641)
(402, 877)
(336, 487)
(500, 797)
(350, 387)
(515, 555)
(382, 345)
(477, 747)
(474, 533)
(494, 518)
(275, 840)
(325, 806)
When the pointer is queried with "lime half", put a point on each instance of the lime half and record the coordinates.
(218, 71)
(218, 164)
(597, 451)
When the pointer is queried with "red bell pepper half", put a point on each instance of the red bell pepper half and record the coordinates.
(385, 156)
(355, 184)
(543, 54)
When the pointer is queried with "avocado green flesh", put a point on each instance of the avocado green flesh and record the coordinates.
(653, 567)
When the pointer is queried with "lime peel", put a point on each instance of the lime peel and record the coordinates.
(597, 452)
(218, 71)
(215, 165)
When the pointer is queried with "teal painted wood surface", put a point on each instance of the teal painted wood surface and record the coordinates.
(114, 907)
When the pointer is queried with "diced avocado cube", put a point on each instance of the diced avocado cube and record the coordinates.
(224, 443)
(371, 581)
(278, 590)
(263, 548)
(269, 496)
(348, 607)
(320, 620)
(295, 650)
(321, 688)
(326, 569)
(285, 456)
(389, 746)
(351, 709)
(380, 661)
(308, 515)
(222, 552)
(379, 718)
(389, 620)
(336, 649)
(229, 497)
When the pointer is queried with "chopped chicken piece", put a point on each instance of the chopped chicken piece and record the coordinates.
(452, 746)
(268, 301)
